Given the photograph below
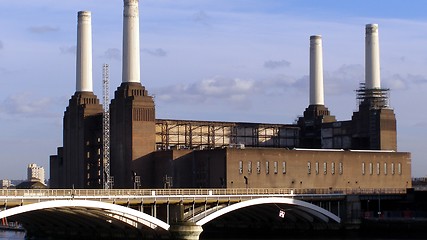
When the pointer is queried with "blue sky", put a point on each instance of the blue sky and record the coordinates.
(225, 60)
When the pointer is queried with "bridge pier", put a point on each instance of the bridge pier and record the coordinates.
(185, 231)
(353, 212)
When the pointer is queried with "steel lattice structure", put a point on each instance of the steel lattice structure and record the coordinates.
(106, 126)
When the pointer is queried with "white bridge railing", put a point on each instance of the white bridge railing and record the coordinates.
(101, 193)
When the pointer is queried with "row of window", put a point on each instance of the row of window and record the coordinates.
(98, 175)
(325, 168)
(267, 167)
(88, 153)
(88, 183)
(88, 165)
(283, 167)
(98, 140)
(384, 169)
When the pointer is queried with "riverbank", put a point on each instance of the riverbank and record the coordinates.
(11, 228)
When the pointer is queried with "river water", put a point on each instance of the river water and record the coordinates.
(12, 235)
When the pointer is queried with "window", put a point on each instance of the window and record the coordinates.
(308, 167)
(371, 168)
(392, 169)
(399, 168)
(342, 168)
(317, 168)
(275, 168)
(267, 167)
(385, 168)
(87, 154)
(249, 167)
(240, 167)
(258, 167)
(325, 168)
(378, 168)
(99, 151)
(332, 168)
(363, 168)
(284, 167)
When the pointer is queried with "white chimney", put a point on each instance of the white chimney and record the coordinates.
(372, 57)
(84, 53)
(131, 68)
(316, 71)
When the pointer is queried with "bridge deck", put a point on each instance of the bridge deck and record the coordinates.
(15, 197)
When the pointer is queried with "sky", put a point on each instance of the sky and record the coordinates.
(219, 60)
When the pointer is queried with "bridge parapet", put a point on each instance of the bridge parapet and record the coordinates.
(16, 197)
(103, 193)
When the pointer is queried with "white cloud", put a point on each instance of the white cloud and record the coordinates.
(271, 64)
(416, 79)
(25, 104)
(281, 83)
(43, 29)
(344, 80)
(404, 81)
(220, 87)
(113, 53)
(396, 82)
(225, 90)
(201, 17)
(158, 52)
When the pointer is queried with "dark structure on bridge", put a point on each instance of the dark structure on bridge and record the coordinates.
(316, 152)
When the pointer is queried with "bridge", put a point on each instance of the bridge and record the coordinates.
(178, 213)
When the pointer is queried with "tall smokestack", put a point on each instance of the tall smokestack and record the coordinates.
(84, 53)
(316, 71)
(131, 68)
(372, 57)
(316, 113)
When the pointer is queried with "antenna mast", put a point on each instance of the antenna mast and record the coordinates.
(108, 183)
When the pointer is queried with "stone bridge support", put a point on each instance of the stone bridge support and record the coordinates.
(353, 212)
(185, 231)
(180, 227)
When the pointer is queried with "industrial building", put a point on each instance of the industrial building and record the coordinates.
(145, 152)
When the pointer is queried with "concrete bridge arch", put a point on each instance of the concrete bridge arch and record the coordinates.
(95, 218)
(84, 217)
(303, 209)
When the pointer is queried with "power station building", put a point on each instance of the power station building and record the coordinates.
(316, 152)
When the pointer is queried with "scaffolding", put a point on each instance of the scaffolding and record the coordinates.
(108, 183)
(376, 98)
(186, 134)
